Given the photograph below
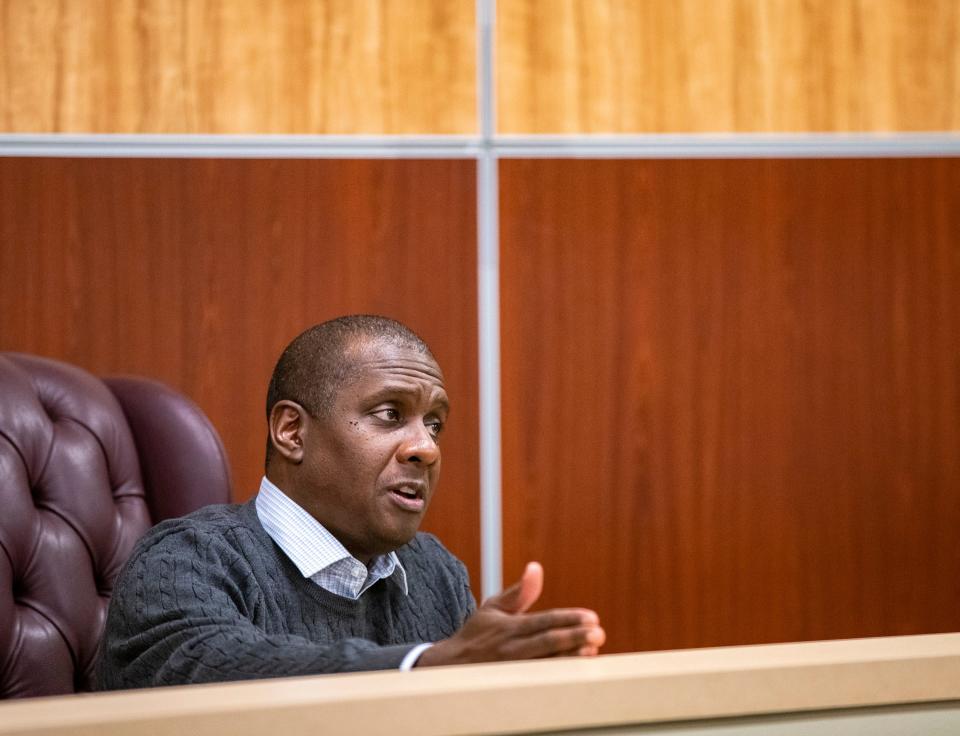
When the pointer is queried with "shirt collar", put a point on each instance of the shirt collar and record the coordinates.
(308, 544)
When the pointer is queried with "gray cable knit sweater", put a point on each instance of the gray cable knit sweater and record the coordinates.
(210, 597)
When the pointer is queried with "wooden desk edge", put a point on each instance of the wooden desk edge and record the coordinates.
(526, 696)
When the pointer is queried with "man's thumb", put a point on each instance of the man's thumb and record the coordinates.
(522, 594)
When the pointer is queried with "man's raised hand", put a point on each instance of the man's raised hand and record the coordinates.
(502, 629)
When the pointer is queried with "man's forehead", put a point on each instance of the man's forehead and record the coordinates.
(386, 356)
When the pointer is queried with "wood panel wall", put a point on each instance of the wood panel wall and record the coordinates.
(237, 66)
(198, 272)
(730, 387)
(408, 66)
(607, 66)
(731, 395)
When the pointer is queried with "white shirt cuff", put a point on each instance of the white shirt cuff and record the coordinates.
(412, 656)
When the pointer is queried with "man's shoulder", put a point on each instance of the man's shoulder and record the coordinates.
(209, 518)
(437, 579)
(217, 524)
(425, 551)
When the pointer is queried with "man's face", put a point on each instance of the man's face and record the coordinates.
(370, 467)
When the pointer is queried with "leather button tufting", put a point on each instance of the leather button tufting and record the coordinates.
(74, 504)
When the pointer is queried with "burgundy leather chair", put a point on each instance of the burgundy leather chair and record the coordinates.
(86, 467)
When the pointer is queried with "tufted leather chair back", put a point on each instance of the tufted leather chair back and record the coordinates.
(86, 467)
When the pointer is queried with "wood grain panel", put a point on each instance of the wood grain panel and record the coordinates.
(606, 66)
(238, 66)
(731, 395)
(198, 272)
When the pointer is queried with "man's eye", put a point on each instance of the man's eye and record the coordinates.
(389, 415)
(435, 428)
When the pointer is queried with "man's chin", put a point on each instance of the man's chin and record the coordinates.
(397, 538)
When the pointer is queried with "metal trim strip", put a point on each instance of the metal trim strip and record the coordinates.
(732, 145)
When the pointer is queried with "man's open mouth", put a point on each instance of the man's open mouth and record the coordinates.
(405, 492)
(408, 497)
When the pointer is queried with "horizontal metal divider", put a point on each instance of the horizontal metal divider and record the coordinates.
(239, 146)
(730, 145)
(725, 145)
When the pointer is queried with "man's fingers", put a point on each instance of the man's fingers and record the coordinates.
(584, 651)
(502, 629)
(522, 594)
(560, 642)
(557, 618)
(531, 586)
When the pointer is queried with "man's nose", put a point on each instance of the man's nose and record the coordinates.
(418, 446)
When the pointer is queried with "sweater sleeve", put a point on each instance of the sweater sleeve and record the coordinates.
(182, 612)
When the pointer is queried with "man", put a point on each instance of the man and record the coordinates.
(324, 571)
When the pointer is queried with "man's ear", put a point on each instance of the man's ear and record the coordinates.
(287, 428)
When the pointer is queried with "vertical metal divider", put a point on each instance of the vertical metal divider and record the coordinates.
(488, 308)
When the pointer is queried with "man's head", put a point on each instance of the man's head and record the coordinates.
(354, 409)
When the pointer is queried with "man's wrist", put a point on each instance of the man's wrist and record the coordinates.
(410, 660)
